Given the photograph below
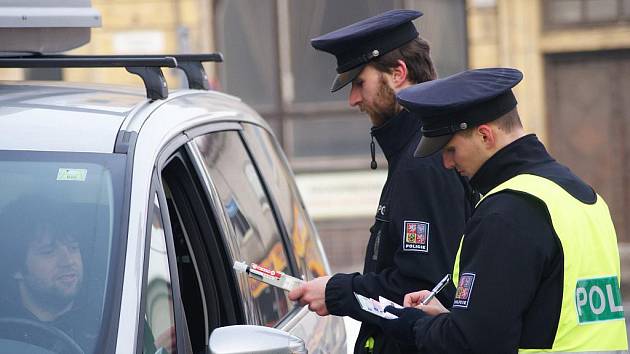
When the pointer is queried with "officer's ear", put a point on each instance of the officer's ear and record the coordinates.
(486, 135)
(399, 74)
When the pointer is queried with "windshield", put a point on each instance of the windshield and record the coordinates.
(59, 214)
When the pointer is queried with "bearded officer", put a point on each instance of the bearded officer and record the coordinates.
(423, 206)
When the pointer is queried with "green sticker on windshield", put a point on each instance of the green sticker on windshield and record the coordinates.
(72, 174)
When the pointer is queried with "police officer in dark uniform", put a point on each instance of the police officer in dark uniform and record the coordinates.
(423, 206)
(538, 267)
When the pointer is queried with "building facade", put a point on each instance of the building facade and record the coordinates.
(576, 93)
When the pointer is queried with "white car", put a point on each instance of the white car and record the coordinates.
(122, 211)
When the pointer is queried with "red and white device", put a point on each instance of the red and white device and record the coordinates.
(269, 276)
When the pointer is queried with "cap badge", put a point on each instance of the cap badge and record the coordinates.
(463, 126)
(375, 53)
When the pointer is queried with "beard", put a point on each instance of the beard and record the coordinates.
(56, 295)
(385, 105)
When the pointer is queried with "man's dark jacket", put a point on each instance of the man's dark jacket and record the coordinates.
(418, 225)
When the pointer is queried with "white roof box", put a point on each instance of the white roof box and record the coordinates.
(46, 26)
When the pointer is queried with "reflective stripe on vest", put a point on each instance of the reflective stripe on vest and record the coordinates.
(591, 318)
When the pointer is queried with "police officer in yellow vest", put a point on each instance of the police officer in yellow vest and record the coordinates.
(538, 266)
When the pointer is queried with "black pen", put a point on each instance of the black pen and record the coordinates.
(436, 289)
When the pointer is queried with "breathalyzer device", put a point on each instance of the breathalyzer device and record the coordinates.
(271, 277)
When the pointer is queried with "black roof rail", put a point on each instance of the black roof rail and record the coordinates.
(147, 67)
(191, 65)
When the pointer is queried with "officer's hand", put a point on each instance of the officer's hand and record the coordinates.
(313, 294)
(414, 299)
(433, 308)
(402, 327)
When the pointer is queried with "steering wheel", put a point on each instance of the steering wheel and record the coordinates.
(39, 334)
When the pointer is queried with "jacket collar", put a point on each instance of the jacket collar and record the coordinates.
(513, 159)
(396, 132)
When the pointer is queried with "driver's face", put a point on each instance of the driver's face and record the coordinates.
(53, 268)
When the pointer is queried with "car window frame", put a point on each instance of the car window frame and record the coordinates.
(293, 188)
(178, 313)
(230, 233)
(183, 141)
(239, 282)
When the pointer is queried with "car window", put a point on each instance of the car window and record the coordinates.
(159, 318)
(59, 222)
(251, 215)
(279, 179)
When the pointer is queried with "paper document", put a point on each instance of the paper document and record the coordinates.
(377, 307)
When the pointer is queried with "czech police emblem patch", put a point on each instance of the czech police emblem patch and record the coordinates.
(464, 289)
(416, 236)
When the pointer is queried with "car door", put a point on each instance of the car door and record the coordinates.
(212, 207)
(201, 290)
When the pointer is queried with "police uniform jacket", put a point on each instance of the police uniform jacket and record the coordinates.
(415, 236)
(516, 258)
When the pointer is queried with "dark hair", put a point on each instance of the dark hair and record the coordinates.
(23, 220)
(506, 122)
(509, 121)
(416, 55)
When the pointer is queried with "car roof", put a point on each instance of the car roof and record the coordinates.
(59, 116)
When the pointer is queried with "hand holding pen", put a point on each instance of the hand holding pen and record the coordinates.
(425, 299)
(436, 289)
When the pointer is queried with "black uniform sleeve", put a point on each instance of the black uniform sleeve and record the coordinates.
(508, 245)
(423, 192)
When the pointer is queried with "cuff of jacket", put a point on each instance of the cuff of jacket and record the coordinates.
(338, 291)
(421, 329)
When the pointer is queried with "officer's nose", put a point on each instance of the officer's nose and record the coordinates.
(355, 96)
(447, 160)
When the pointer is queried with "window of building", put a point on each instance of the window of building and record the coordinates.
(567, 13)
(270, 63)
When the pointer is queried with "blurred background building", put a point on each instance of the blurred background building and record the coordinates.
(575, 55)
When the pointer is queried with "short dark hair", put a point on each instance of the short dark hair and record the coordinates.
(416, 55)
(506, 122)
(509, 121)
(23, 220)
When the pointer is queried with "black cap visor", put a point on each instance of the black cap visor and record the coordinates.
(345, 78)
(429, 145)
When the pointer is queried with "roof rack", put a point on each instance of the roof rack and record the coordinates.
(148, 67)
(191, 65)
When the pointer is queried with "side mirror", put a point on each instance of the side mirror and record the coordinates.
(255, 340)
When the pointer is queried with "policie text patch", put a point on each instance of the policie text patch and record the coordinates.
(416, 236)
(464, 290)
(598, 299)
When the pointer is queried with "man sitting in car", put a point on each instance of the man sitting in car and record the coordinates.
(43, 270)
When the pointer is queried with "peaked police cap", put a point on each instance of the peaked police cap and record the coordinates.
(355, 45)
(458, 102)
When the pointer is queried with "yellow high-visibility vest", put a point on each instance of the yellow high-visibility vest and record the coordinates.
(591, 318)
